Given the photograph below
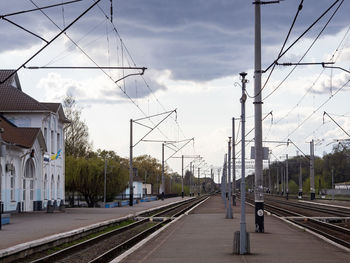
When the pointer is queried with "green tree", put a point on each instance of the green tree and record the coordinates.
(76, 132)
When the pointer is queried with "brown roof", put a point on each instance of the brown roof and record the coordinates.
(51, 106)
(12, 99)
(23, 137)
(4, 73)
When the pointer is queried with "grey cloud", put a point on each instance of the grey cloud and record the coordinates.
(195, 39)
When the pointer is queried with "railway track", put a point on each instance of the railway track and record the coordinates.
(329, 222)
(107, 246)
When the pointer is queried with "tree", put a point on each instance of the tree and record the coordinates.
(76, 132)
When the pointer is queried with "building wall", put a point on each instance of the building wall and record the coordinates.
(53, 187)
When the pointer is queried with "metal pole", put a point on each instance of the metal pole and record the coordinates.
(190, 178)
(233, 163)
(229, 207)
(258, 191)
(278, 181)
(131, 188)
(243, 232)
(163, 179)
(312, 171)
(300, 195)
(269, 176)
(333, 184)
(287, 189)
(193, 187)
(282, 180)
(182, 175)
(199, 184)
(105, 183)
(224, 177)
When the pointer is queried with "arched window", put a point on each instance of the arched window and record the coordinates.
(52, 187)
(29, 170)
(58, 187)
(12, 183)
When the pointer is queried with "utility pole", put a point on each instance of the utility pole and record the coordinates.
(300, 194)
(199, 184)
(258, 191)
(162, 188)
(193, 188)
(312, 171)
(233, 163)
(282, 180)
(131, 188)
(229, 207)
(182, 176)
(224, 181)
(243, 232)
(287, 189)
(278, 181)
(191, 178)
(333, 183)
(105, 181)
(269, 175)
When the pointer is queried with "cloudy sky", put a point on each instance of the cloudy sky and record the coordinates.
(194, 51)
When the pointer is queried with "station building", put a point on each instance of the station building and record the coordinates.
(32, 171)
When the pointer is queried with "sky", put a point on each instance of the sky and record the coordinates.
(194, 51)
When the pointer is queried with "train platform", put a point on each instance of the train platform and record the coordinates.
(29, 228)
(204, 235)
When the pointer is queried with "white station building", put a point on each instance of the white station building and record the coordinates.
(32, 171)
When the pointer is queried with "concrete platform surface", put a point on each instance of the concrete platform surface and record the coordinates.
(30, 226)
(206, 236)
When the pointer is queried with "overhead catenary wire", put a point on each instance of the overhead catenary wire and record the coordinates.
(285, 42)
(134, 63)
(95, 63)
(333, 58)
(307, 51)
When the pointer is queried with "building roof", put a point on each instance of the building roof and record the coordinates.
(12, 81)
(13, 99)
(22, 137)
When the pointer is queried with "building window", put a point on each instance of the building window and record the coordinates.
(58, 141)
(52, 143)
(58, 188)
(12, 185)
(52, 187)
(24, 189)
(45, 135)
(31, 186)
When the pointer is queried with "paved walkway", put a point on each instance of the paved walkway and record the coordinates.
(25, 227)
(206, 236)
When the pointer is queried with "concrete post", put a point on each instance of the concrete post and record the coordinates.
(258, 191)
(162, 189)
(199, 182)
(333, 184)
(287, 189)
(312, 171)
(131, 189)
(105, 184)
(182, 176)
(233, 163)
(269, 176)
(278, 180)
(229, 206)
(300, 194)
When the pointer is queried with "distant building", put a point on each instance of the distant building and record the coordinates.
(32, 153)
